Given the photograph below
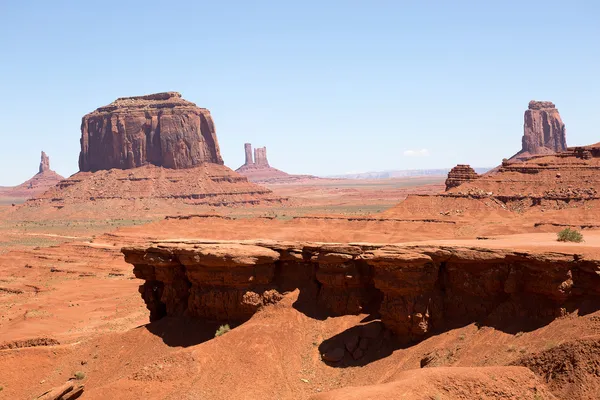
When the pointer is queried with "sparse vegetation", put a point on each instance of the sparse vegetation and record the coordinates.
(223, 329)
(461, 336)
(79, 375)
(569, 235)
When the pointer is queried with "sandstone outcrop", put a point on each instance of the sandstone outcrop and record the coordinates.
(543, 130)
(160, 129)
(256, 167)
(417, 290)
(460, 174)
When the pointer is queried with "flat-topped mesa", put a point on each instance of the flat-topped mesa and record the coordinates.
(544, 132)
(159, 129)
(44, 163)
(460, 174)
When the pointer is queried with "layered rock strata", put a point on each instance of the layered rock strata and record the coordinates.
(460, 174)
(160, 129)
(415, 289)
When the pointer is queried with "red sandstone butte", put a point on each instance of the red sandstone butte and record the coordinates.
(160, 129)
(543, 130)
(460, 174)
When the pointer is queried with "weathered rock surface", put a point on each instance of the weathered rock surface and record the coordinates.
(160, 129)
(543, 130)
(417, 290)
(460, 174)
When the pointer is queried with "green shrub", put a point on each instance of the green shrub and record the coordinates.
(569, 235)
(79, 375)
(223, 329)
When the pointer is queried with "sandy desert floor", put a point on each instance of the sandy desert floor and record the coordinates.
(69, 303)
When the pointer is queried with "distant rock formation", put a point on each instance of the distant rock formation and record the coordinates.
(44, 163)
(257, 168)
(38, 184)
(159, 129)
(460, 174)
(149, 155)
(260, 157)
(543, 130)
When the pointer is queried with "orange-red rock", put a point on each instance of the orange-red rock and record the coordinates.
(160, 129)
(460, 174)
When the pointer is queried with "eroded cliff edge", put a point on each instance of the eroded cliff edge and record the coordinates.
(416, 290)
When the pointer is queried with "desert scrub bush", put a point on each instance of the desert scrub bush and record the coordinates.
(569, 235)
(79, 375)
(223, 329)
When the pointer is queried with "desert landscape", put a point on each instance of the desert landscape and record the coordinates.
(396, 242)
(158, 272)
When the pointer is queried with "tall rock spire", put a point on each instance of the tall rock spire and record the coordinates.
(44, 163)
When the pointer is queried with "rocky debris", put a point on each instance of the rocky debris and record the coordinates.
(544, 131)
(19, 344)
(69, 391)
(44, 163)
(460, 174)
(160, 129)
(415, 289)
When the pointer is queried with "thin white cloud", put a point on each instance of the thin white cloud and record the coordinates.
(416, 153)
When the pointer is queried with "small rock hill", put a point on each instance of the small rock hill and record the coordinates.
(149, 155)
(257, 168)
(39, 183)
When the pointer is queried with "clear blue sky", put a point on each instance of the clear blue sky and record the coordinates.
(328, 86)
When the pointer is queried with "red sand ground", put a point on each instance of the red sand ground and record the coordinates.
(82, 294)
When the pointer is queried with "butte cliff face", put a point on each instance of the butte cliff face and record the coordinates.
(159, 129)
(543, 130)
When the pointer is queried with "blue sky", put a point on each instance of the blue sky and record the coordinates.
(328, 86)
